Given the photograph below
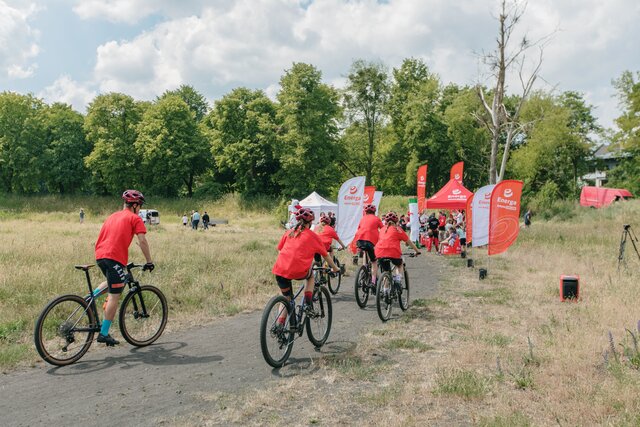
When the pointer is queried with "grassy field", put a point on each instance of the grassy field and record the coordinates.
(499, 352)
(205, 274)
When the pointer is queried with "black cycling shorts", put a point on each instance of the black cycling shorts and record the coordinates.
(385, 263)
(463, 242)
(368, 247)
(114, 272)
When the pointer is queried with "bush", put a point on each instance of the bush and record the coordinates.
(547, 204)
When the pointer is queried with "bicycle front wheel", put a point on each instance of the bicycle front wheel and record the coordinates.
(362, 287)
(276, 337)
(334, 283)
(64, 331)
(143, 315)
(403, 298)
(383, 296)
(319, 325)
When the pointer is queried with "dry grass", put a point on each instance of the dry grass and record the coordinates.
(205, 274)
(500, 352)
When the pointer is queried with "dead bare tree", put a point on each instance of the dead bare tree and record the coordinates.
(505, 125)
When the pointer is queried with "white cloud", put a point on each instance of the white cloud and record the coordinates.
(132, 11)
(68, 91)
(18, 40)
(217, 45)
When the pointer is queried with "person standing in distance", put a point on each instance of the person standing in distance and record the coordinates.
(205, 220)
(112, 254)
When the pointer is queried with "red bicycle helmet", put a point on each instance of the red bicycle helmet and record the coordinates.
(133, 196)
(325, 220)
(370, 208)
(391, 217)
(305, 214)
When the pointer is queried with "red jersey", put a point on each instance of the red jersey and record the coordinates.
(368, 228)
(389, 244)
(327, 236)
(116, 235)
(296, 254)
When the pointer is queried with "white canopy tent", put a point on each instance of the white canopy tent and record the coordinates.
(318, 204)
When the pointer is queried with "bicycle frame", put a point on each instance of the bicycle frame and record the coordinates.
(133, 285)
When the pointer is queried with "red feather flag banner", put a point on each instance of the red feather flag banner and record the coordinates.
(504, 215)
(422, 187)
(369, 192)
(456, 172)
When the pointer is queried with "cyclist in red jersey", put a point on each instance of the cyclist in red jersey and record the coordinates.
(297, 249)
(327, 234)
(389, 244)
(112, 254)
(367, 236)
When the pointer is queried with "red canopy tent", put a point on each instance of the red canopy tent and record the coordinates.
(452, 196)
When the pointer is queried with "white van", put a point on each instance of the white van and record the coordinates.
(150, 216)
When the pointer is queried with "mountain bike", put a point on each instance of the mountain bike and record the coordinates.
(389, 290)
(65, 329)
(276, 337)
(363, 286)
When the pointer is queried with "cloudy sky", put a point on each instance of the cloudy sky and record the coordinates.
(71, 50)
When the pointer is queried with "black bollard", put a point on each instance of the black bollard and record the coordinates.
(483, 273)
(469, 262)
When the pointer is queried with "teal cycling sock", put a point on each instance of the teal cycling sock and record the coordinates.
(105, 327)
(96, 292)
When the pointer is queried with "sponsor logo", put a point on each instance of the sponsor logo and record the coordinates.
(422, 178)
(508, 192)
(457, 176)
(487, 196)
(353, 189)
(456, 192)
(366, 197)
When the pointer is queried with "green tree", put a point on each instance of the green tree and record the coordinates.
(22, 142)
(470, 140)
(67, 147)
(194, 99)
(308, 146)
(553, 149)
(416, 112)
(111, 127)
(243, 138)
(627, 136)
(365, 99)
(172, 146)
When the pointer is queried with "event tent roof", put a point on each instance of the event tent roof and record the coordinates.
(318, 204)
(452, 196)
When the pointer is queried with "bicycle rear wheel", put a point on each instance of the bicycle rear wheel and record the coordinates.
(334, 283)
(403, 298)
(384, 296)
(362, 287)
(319, 327)
(143, 316)
(64, 330)
(276, 338)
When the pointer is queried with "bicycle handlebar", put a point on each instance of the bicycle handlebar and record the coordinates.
(132, 265)
(410, 254)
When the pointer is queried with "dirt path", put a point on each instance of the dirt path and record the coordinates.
(141, 386)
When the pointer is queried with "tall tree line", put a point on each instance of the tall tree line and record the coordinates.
(383, 124)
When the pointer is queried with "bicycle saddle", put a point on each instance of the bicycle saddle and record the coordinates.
(85, 267)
